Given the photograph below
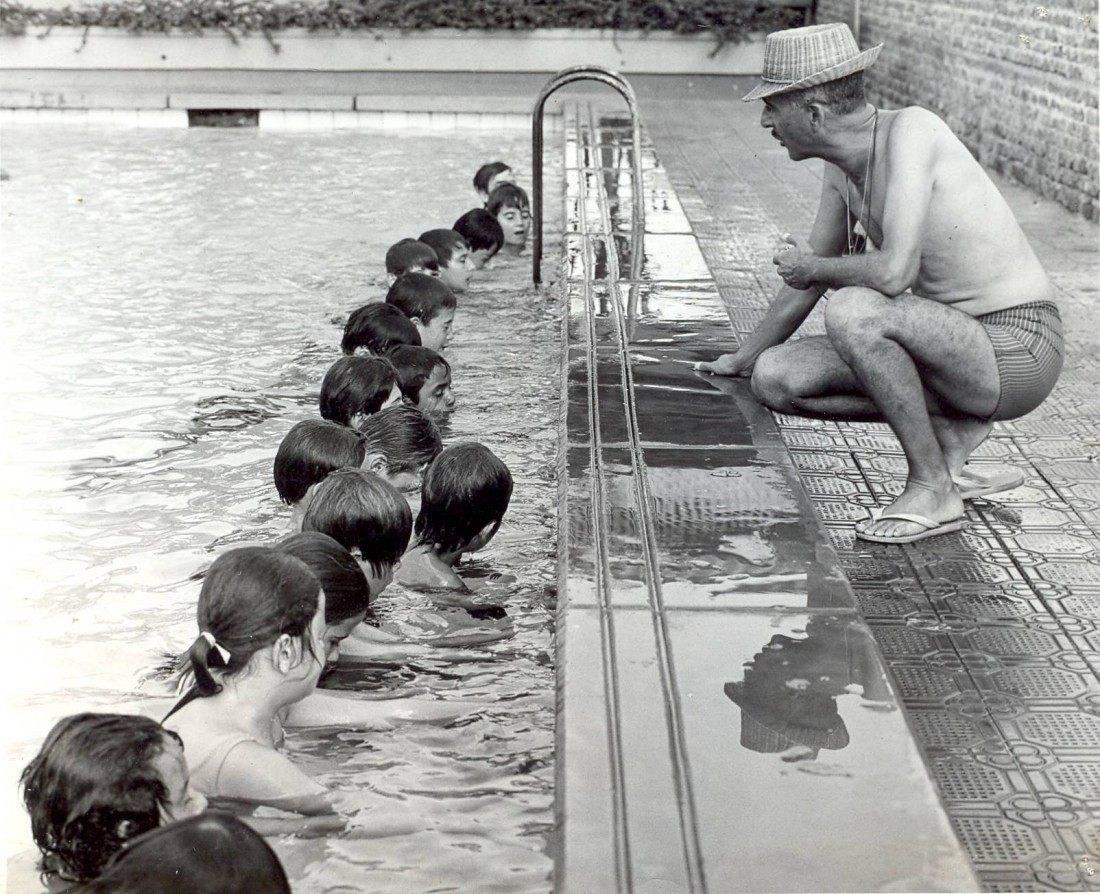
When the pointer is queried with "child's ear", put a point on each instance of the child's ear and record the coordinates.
(391, 278)
(375, 462)
(286, 653)
(356, 420)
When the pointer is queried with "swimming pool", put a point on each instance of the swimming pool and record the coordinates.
(172, 299)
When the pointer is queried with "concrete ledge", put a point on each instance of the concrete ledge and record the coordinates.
(436, 50)
(259, 101)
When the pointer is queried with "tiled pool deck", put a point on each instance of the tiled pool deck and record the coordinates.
(727, 724)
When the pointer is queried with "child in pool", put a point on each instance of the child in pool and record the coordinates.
(455, 265)
(259, 652)
(355, 388)
(400, 441)
(482, 234)
(491, 175)
(428, 304)
(425, 379)
(464, 497)
(210, 854)
(310, 450)
(508, 203)
(98, 781)
(410, 256)
(375, 328)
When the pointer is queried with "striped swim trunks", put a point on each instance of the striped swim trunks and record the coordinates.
(1027, 341)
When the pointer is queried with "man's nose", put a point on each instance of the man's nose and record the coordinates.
(766, 118)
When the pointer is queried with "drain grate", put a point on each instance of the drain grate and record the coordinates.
(939, 728)
(1061, 729)
(1014, 641)
(1040, 682)
(921, 682)
(960, 779)
(1082, 780)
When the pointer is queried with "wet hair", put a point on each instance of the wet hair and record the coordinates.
(310, 450)
(421, 296)
(378, 327)
(91, 787)
(507, 195)
(486, 173)
(843, 95)
(465, 488)
(250, 597)
(361, 511)
(347, 592)
(414, 367)
(407, 438)
(481, 230)
(213, 853)
(408, 253)
(356, 385)
(444, 243)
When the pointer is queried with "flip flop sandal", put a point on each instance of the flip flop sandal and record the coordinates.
(931, 528)
(971, 487)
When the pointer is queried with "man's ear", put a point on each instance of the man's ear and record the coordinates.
(818, 114)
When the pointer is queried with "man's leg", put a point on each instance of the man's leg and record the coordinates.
(900, 349)
(807, 377)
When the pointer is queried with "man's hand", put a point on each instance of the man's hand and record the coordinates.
(726, 365)
(792, 260)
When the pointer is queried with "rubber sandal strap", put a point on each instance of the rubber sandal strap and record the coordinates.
(921, 520)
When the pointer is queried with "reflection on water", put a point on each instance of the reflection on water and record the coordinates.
(172, 301)
(788, 697)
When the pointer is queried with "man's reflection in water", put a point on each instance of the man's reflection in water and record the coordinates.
(788, 696)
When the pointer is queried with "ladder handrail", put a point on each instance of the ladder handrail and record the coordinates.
(619, 83)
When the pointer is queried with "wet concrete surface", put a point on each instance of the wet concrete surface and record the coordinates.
(726, 721)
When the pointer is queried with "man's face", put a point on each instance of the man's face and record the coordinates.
(515, 222)
(436, 397)
(789, 122)
(437, 333)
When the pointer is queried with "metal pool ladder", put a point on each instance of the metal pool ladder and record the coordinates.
(618, 82)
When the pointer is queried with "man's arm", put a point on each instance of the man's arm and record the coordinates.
(791, 305)
(894, 268)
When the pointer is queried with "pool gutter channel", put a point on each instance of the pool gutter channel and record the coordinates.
(609, 835)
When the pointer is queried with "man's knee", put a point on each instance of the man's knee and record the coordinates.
(771, 381)
(856, 312)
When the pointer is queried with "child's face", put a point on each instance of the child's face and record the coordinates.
(456, 275)
(515, 222)
(337, 633)
(183, 801)
(437, 333)
(436, 397)
(480, 258)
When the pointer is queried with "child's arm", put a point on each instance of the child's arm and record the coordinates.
(300, 826)
(257, 774)
(336, 709)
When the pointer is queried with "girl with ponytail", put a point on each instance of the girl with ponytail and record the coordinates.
(259, 650)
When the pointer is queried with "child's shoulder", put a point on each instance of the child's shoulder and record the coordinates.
(424, 571)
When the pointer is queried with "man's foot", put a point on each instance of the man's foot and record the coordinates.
(938, 505)
(971, 485)
(959, 437)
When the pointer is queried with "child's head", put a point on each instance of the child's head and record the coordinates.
(509, 205)
(455, 265)
(357, 387)
(429, 304)
(425, 379)
(491, 175)
(482, 233)
(98, 781)
(400, 441)
(411, 256)
(463, 499)
(367, 516)
(214, 853)
(263, 611)
(310, 450)
(347, 593)
(375, 328)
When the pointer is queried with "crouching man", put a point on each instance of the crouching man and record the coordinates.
(939, 323)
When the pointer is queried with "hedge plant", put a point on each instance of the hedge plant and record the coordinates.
(728, 20)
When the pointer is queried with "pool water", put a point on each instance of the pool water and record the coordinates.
(172, 300)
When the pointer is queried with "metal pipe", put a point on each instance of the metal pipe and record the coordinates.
(617, 82)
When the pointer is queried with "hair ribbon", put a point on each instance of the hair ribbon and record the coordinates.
(223, 653)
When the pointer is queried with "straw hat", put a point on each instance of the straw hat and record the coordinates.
(805, 57)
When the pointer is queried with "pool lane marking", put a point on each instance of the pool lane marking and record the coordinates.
(678, 753)
(621, 831)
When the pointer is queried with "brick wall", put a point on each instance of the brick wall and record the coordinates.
(1016, 81)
